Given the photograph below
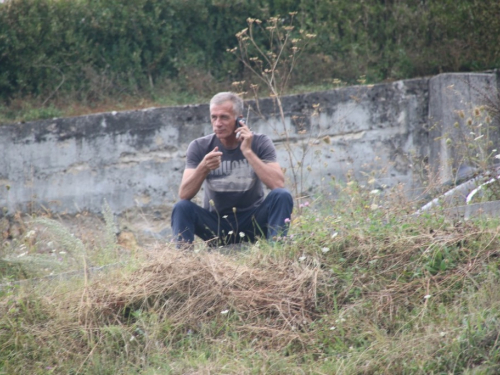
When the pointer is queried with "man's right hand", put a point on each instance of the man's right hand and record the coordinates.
(212, 160)
(192, 179)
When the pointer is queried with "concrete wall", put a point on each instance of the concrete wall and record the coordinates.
(135, 159)
(453, 104)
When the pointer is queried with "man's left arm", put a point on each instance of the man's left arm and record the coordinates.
(269, 173)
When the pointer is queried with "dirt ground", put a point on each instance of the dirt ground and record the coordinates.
(133, 228)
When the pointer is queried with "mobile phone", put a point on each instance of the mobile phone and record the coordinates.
(239, 123)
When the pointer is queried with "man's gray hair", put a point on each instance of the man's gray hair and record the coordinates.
(223, 97)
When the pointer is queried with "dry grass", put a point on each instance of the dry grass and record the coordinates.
(188, 289)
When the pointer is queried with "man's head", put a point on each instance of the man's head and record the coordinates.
(225, 108)
(223, 97)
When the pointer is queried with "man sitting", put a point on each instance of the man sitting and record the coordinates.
(233, 163)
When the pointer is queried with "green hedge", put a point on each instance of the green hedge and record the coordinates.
(100, 47)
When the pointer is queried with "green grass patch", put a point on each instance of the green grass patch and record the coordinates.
(355, 288)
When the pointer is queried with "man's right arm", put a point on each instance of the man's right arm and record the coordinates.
(193, 178)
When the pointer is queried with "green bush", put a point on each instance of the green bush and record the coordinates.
(100, 47)
(93, 49)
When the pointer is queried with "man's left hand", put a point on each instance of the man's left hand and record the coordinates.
(245, 137)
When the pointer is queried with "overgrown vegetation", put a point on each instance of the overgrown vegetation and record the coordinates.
(361, 286)
(61, 57)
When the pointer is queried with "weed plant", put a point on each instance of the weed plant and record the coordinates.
(270, 50)
(479, 151)
(48, 248)
(358, 287)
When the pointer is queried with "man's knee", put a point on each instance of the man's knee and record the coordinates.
(182, 213)
(182, 221)
(183, 206)
(281, 194)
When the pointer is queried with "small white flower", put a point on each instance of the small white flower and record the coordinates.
(242, 234)
(497, 156)
(224, 312)
(427, 296)
(334, 234)
(325, 249)
(31, 233)
(302, 258)
(332, 328)
(224, 217)
(375, 192)
(230, 232)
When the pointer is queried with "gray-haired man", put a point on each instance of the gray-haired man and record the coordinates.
(233, 163)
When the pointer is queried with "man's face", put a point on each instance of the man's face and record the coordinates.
(223, 120)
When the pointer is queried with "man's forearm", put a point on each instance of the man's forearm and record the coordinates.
(193, 178)
(269, 173)
(192, 181)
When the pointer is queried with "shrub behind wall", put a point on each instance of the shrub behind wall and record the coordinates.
(94, 48)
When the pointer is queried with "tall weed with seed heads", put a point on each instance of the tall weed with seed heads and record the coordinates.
(110, 247)
(66, 240)
(270, 51)
(476, 147)
(50, 248)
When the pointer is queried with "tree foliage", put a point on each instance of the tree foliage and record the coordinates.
(93, 48)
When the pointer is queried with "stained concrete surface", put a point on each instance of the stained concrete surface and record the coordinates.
(133, 160)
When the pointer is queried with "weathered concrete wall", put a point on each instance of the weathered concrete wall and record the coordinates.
(135, 159)
(455, 99)
(362, 131)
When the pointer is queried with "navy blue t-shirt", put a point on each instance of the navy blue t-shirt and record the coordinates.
(234, 183)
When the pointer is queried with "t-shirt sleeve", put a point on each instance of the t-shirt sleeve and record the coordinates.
(266, 150)
(194, 156)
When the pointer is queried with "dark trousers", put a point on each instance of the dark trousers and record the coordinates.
(269, 220)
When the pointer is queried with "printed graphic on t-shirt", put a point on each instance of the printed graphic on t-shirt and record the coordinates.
(232, 176)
